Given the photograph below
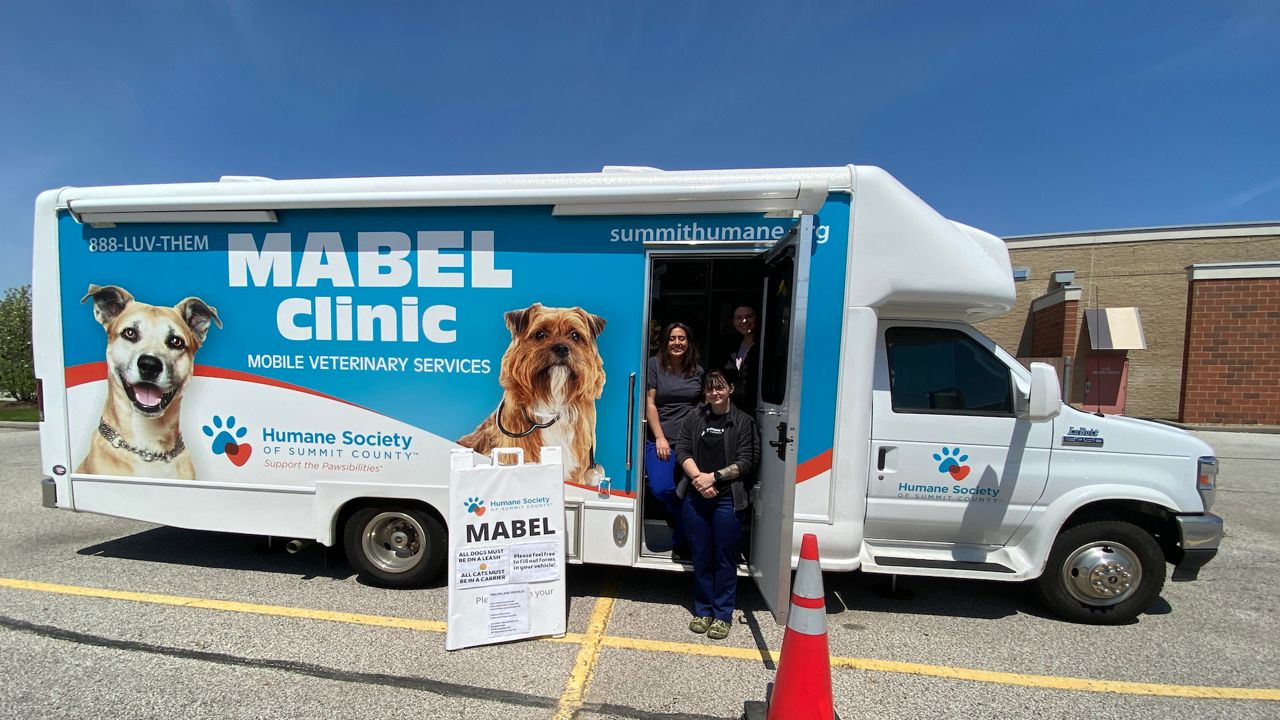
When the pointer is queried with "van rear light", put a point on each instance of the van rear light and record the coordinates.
(1207, 480)
(40, 398)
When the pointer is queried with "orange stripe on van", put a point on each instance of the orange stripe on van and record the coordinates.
(88, 372)
(813, 467)
(612, 492)
(224, 374)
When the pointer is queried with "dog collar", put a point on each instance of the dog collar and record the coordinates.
(114, 439)
(532, 425)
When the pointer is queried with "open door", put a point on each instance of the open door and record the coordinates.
(786, 286)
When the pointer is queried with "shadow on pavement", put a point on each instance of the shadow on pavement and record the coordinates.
(975, 599)
(228, 551)
(946, 597)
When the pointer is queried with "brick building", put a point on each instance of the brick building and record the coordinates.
(1171, 323)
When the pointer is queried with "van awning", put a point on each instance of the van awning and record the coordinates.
(1118, 328)
(784, 193)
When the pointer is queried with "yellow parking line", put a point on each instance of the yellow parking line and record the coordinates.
(594, 639)
(954, 673)
(1120, 687)
(584, 667)
(679, 648)
(227, 605)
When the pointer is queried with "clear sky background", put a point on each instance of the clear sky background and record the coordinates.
(1015, 117)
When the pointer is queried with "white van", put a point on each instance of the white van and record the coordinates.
(297, 359)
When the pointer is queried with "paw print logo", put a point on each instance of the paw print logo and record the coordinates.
(950, 462)
(475, 506)
(226, 440)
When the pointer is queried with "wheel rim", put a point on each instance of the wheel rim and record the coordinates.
(393, 542)
(1102, 573)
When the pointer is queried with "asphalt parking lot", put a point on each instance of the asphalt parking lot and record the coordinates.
(102, 617)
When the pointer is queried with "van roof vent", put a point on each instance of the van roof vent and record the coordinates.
(617, 169)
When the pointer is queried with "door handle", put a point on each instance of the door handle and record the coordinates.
(631, 415)
(781, 443)
(884, 455)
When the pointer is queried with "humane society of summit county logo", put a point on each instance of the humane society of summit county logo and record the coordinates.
(474, 506)
(226, 440)
(950, 462)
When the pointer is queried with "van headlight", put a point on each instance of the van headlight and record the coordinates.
(1207, 480)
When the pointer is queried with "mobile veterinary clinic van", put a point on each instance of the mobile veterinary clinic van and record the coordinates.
(298, 358)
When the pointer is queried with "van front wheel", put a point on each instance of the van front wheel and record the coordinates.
(394, 546)
(1102, 573)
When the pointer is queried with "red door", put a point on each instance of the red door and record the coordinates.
(1106, 375)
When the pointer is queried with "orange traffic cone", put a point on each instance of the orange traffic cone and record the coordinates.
(802, 690)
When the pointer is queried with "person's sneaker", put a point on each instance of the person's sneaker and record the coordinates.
(700, 624)
(719, 630)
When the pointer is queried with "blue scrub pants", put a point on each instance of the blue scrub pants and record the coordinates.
(713, 529)
(661, 477)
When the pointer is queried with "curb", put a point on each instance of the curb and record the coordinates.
(19, 425)
(1199, 427)
(1253, 429)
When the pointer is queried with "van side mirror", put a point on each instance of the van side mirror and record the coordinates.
(1045, 401)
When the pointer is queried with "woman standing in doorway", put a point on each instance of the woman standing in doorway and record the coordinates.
(718, 450)
(742, 365)
(673, 380)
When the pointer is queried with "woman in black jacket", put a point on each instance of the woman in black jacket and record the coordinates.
(718, 450)
(742, 365)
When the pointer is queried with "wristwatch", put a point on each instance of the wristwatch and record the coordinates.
(716, 475)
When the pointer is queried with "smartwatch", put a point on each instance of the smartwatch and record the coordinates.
(716, 475)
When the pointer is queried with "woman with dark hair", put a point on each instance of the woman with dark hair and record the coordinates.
(718, 450)
(673, 380)
(742, 366)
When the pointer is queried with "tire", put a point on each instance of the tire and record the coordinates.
(395, 546)
(1102, 573)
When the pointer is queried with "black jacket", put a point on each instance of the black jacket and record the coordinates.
(745, 393)
(741, 446)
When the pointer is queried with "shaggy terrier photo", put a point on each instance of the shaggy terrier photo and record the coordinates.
(551, 377)
(151, 353)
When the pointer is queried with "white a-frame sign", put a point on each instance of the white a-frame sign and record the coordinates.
(506, 549)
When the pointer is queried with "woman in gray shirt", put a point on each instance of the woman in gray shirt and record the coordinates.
(673, 380)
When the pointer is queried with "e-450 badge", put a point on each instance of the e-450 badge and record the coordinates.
(1082, 436)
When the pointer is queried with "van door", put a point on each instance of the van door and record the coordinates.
(951, 461)
(786, 286)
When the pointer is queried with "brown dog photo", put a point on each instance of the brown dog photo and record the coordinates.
(151, 353)
(551, 377)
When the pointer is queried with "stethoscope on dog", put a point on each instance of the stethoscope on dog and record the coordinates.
(532, 424)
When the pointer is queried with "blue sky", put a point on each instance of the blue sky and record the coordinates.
(1015, 117)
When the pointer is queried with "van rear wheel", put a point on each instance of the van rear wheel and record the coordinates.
(1102, 573)
(394, 546)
